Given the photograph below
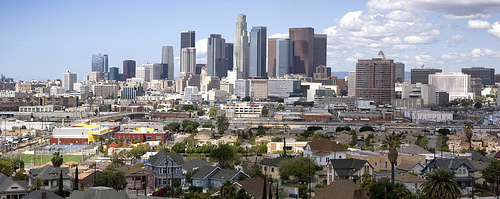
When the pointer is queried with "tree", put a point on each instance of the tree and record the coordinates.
(6, 166)
(392, 142)
(265, 111)
(354, 138)
(342, 128)
(57, 159)
(20, 176)
(222, 124)
(173, 126)
(262, 148)
(260, 130)
(468, 133)
(277, 139)
(383, 188)
(17, 164)
(207, 124)
(478, 105)
(213, 112)
(60, 184)
(228, 190)
(137, 152)
(224, 155)
(318, 136)
(440, 185)
(264, 189)
(75, 184)
(366, 128)
(112, 179)
(37, 184)
(492, 173)
(242, 194)
(179, 147)
(298, 167)
(422, 141)
(280, 107)
(444, 132)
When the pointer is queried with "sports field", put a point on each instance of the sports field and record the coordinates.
(44, 158)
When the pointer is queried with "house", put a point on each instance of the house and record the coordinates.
(380, 161)
(86, 180)
(253, 187)
(42, 194)
(269, 166)
(321, 151)
(10, 188)
(411, 181)
(194, 164)
(409, 167)
(50, 176)
(351, 169)
(463, 169)
(139, 181)
(166, 167)
(212, 177)
(99, 193)
(341, 189)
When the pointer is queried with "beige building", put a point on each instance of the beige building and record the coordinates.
(296, 147)
(380, 161)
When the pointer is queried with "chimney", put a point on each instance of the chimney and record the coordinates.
(44, 195)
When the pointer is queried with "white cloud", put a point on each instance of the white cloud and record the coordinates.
(475, 53)
(455, 40)
(279, 35)
(478, 24)
(201, 51)
(495, 29)
(423, 59)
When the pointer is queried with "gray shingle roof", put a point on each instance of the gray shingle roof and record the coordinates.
(98, 193)
(476, 156)
(453, 164)
(195, 163)
(224, 174)
(273, 161)
(204, 171)
(5, 182)
(37, 194)
(49, 172)
(156, 160)
(347, 167)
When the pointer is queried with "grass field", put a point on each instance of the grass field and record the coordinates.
(28, 159)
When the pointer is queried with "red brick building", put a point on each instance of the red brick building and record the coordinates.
(141, 136)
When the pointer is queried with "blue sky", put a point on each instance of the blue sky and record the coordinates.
(41, 39)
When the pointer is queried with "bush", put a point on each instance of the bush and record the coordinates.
(277, 139)
(342, 128)
(366, 128)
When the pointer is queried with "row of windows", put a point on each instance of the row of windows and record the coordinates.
(148, 138)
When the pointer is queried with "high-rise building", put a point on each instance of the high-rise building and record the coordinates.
(351, 84)
(487, 75)
(155, 71)
(422, 74)
(188, 57)
(258, 40)
(241, 48)
(100, 62)
(375, 79)
(68, 79)
(128, 69)
(229, 56)
(114, 74)
(457, 85)
(284, 57)
(188, 40)
(399, 72)
(144, 73)
(303, 40)
(271, 57)
(167, 61)
(216, 56)
(319, 50)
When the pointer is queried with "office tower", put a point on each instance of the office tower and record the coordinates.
(96, 76)
(229, 56)
(167, 60)
(187, 41)
(375, 79)
(323, 72)
(198, 69)
(68, 79)
(114, 74)
(476, 86)
(155, 71)
(144, 73)
(241, 48)
(128, 69)
(351, 84)
(319, 50)
(216, 52)
(258, 40)
(487, 75)
(303, 40)
(457, 85)
(188, 57)
(284, 57)
(100, 62)
(422, 74)
(271, 57)
(399, 72)
(497, 78)
(425, 92)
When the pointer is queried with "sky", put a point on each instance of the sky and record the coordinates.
(39, 40)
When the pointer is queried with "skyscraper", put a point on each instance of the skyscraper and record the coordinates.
(319, 50)
(375, 79)
(422, 75)
(258, 40)
(188, 40)
(155, 70)
(399, 72)
(113, 73)
(487, 75)
(128, 69)
(284, 57)
(457, 85)
(68, 79)
(188, 55)
(216, 56)
(229, 56)
(100, 62)
(303, 39)
(241, 48)
(271, 57)
(167, 58)
(144, 73)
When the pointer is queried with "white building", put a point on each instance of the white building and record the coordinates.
(167, 57)
(155, 71)
(188, 57)
(322, 151)
(217, 95)
(241, 52)
(68, 79)
(426, 92)
(351, 84)
(427, 115)
(143, 72)
(282, 88)
(191, 93)
(458, 85)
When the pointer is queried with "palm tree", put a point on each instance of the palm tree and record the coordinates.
(228, 190)
(468, 133)
(440, 185)
(392, 143)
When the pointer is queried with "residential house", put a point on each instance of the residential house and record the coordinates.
(352, 169)
(42, 194)
(50, 176)
(212, 177)
(99, 193)
(269, 166)
(139, 181)
(411, 181)
(167, 168)
(341, 189)
(409, 167)
(86, 180)
(380, 161)
(194, 164)
(463, 169)
(253, 187)
(10, 188)
(321, 151)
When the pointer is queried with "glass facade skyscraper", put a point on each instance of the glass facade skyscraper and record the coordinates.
(100, 62)
(216, 56)
(258, 40)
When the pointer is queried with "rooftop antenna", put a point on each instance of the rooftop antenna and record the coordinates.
(422, 66)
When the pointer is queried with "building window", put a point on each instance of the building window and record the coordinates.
(149, 138)
(272, 169)
(158, 137)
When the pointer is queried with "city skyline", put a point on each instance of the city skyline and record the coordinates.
(59, 36)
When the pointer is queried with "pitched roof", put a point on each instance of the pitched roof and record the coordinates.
(407, 177)
(156, 159)
(88, 180)
(324, 145)
(37, 194)
(130, 171)
(6, 182)
(406, 165)
(224, 174)
(98, 193)
(48, 172)
(347, 167)
(273, 161)
(253, 186)
(341, 189)
(195, 163)
(446, 163)
(204, 171)
(476, 156)
(412, 149)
